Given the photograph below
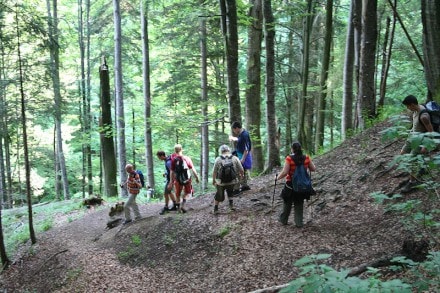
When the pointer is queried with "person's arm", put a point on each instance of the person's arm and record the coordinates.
(426, 121)
(191, 167)
(285, 171)
(312, 166)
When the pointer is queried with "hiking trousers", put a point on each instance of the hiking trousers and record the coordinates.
(131, 204)
(298, 208)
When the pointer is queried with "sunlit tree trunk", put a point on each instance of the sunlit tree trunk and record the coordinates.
(273, 139)
(119, 100)
(204, 103)
(106, 134)
(367, 97)
(302, 105)
(27, 165)
(322, 97)
(147, 94)
(431, 46)
(386, 57)
(253, 89)
(55, 75)
(230, 33)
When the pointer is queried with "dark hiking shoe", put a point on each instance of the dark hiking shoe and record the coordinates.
(410, 186)
(236, 192)
(182, 210)
(216, 212)
(245, 188)
(174, 208)
(164, 210)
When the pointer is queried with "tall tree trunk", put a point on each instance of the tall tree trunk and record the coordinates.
(431, 46)
(322, 100)
(386, 57)
(147, 94)
(230, 32)
(55, 75)
(253, 90)
(367, 97)
(27, 165)
(348, 75)
(273, 138)
(302, 105)
(119, 99)
(88, 110)
(106, 134)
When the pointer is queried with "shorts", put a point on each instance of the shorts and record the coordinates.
(220, 194)
(166, 189)
(187, 188)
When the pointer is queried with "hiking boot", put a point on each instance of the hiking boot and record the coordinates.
(410, 186)
(174, 208)
(216, 212)
(164, 210)
(245, 188)
(182, 210)
(236, 192)
(231, 209)
(127, 222)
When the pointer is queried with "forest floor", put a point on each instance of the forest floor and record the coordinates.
(241, 251)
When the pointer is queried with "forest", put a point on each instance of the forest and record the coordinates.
(88, 86)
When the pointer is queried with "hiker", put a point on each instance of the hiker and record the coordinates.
(226, 173)
(168, 193)
(421, 123)
(134, 185)
(180, 175)
(289, 196)
(243, 152)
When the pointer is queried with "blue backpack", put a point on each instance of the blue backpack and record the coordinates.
(301, 182)
(141, 177)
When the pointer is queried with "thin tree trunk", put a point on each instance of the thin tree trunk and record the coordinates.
(387, 50)
(273, 138)
(147, 95)
(253, 90)
(119, 99)
(204, 102)
(305, 73)
(27, 164)
(348, 75)
(54, 61)
(322, 100)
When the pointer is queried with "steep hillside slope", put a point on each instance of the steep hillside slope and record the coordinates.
(240, 251)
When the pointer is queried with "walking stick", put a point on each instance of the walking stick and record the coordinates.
(274, 187)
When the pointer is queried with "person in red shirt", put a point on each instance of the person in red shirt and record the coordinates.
(179, 186)
(134, 185)
(297, 157)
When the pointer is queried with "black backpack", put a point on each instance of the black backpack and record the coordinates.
(227, 171)
(181, 170)
(433, 109)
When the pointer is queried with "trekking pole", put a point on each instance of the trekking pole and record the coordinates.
(274, 187)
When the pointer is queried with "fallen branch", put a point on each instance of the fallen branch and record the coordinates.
(47, 260)
(273, 289)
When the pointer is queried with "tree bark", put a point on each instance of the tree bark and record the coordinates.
(322, 99)
(273, 138)
(147, 95)
(431, 46)
(253, 89)
(367, 97)
(204, 103)
(55, 75)
(119, 99)
(230, 32)
(106, 134)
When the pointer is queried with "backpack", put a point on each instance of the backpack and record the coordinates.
(301, 182)
(227, 171)
(181, 170)
(433, 109)
(141, 177)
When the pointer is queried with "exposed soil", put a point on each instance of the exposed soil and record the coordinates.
(241, 251)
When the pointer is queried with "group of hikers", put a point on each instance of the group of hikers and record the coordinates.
(230, 172)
